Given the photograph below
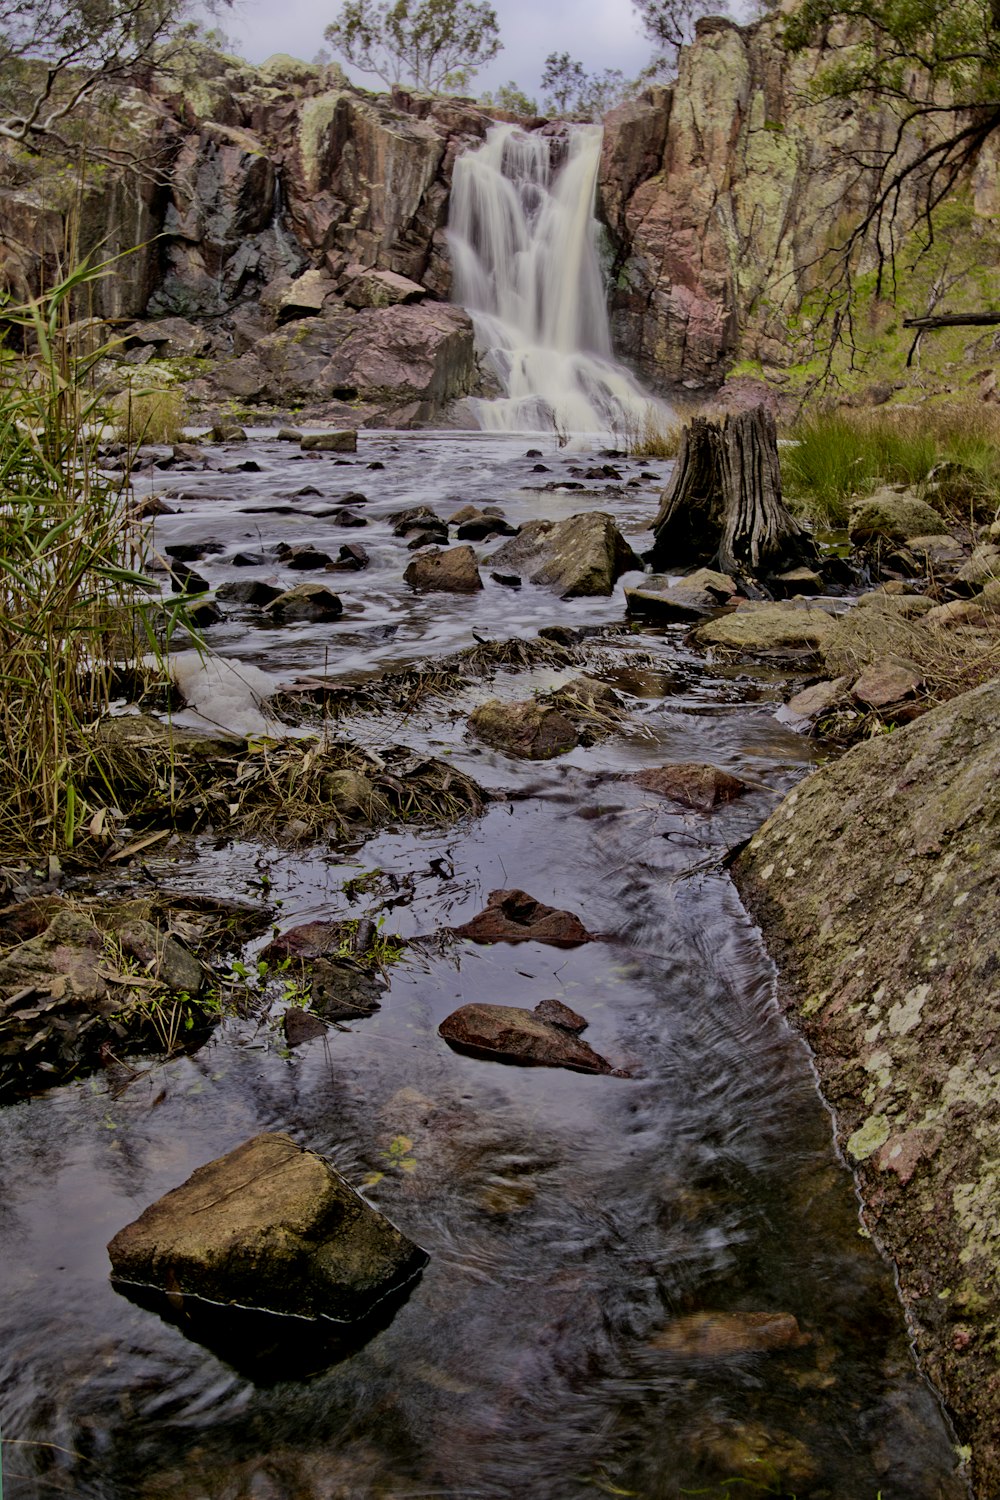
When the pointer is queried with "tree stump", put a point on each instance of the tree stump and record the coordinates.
(723, 504)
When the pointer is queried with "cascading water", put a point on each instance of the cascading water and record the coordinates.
(524, 246)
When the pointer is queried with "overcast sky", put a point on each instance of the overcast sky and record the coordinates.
(599, 33)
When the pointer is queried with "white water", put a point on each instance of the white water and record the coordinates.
(524, 246)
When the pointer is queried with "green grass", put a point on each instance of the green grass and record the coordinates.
(845, 455)
(74, 603)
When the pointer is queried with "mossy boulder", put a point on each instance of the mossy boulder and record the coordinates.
(894, 516)
(877, 884)
(768, 630)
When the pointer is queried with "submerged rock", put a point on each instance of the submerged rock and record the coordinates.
(511, 1034)
(700, 787)
(531, 730)
(268, 1226)
(516, 917)
(721, 1335)
(877, 885)
(581, 556)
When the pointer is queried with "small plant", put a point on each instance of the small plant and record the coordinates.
(656, 436)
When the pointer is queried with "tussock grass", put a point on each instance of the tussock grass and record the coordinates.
(149, 416)
(74, 604)
(657, 436)
(840, 456)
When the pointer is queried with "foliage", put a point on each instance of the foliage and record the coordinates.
(840, 456)
(511, 98)
(657, 436)
(932, 67)
(569, 89)
(73, 607)
(55, 55)
(669, 24)
(433, 44)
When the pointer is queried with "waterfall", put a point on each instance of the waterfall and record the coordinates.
(524, 248)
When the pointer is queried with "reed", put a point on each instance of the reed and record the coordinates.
(74, 606)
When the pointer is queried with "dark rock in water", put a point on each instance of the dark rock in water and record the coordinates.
(558, 1014)
(205, 614)
(301, 1026)
(452, 571)
(288, 435)
(510, 1034)
(541, 469)
(697, 786)
(248, 591)
(507, 580)
(533, 453)
(306, 491)
(340, 990)
(184, 580)
(248, 466)
(188, 552)
(268, 1226)
(581, 556)
(250, 560)
(530, 730)
(477, 528)
(305, 558)
(561, 635)
(728, 1335)
(431, 538)
(228, 432)
(330, 442)
(351, 558)
(376, 464)
(691, 598)
(306, 601)
(348, 518)
(516, 917)
(152, 506)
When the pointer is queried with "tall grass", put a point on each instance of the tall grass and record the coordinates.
(73, 602)
(840, 456)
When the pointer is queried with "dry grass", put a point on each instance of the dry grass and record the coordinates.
(149, 416)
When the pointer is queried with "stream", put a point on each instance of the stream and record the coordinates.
(573, 1223)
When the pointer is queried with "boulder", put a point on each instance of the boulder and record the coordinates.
(352, 558)
(690, 598)
(531, 730)
(228, 432)
(700, 787)
(306, 601)
(451, 571)
(380, 288)
(516, 917)
(768, 630)
(578, 557)
(939, 553)
(819, 699)
(510, 1034)
(876, 883)
(982, 567)
(886, 683)
(268, 1226)
(894, 516)
(248, 591)
(329, 442)
(304, 297)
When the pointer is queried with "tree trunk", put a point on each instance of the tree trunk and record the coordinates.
(723, 504)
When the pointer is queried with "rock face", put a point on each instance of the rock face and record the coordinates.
(516, 917)
(877, 884)
(511, 1034)
(580, 556)
(272, 1227)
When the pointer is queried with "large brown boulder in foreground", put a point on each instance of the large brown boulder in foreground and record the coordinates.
(268, 1226)
(877, 884)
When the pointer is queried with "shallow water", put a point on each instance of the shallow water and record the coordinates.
(570, 1220)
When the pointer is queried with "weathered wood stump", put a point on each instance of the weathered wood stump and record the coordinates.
(723, 504)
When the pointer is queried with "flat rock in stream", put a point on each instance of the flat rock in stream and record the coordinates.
(700, 787)
(579, 557)
(516, 917)
(531, 730)
(691, 598)
(509, 1033)
(756, 629)
(269, 1226)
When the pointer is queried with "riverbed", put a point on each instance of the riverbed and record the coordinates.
(594, 1241)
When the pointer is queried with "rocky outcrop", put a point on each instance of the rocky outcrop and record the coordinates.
(877, 883)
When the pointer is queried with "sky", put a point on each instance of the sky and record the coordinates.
(599, 33)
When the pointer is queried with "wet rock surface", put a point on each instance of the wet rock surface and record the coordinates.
(453, 571)
(511, 1034)
(516, 917)
(875, 883)
(696, 786)
(529, 730)
(580, 556)
(269, 1226)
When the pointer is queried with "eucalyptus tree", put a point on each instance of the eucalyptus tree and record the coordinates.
(432, 44)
